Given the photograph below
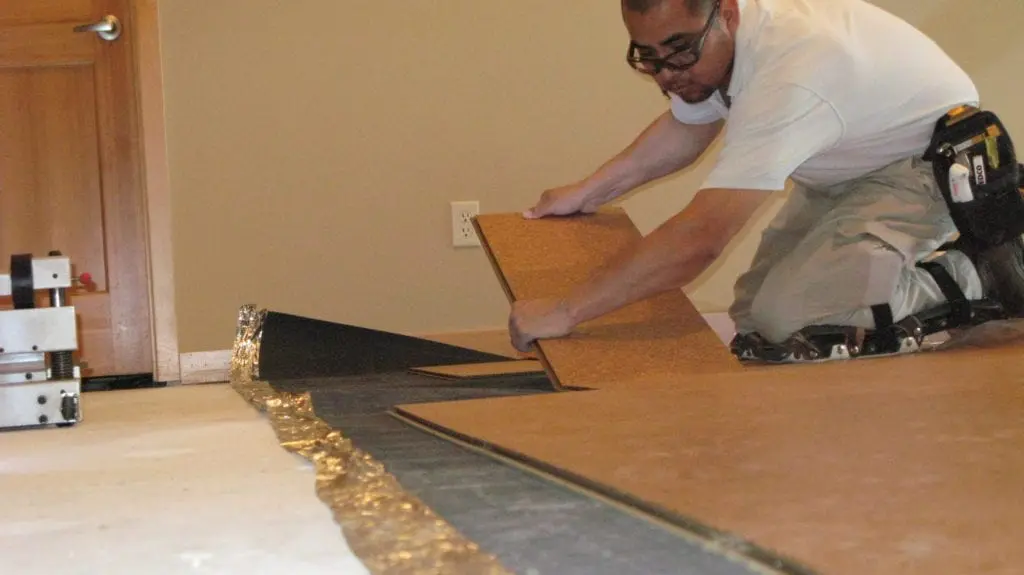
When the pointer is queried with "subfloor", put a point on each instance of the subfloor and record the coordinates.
(163, 481)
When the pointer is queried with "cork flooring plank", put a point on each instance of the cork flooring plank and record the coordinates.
(471, 371)
(909, 465)
(661, 337)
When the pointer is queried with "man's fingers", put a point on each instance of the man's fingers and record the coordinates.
(519, 340)
(513, 330)
(519, 346)
(523, 340)
(523, 344)
(542, 208)
(536, 212)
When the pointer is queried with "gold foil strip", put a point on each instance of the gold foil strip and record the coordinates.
(245, 357)
(389, 530)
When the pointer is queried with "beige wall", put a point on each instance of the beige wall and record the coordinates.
(292, 131)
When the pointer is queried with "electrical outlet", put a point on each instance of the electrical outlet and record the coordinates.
(463, 234)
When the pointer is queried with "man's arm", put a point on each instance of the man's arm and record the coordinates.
(670, 257)
(665, 146)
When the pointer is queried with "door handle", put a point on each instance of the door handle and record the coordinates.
(109, 28)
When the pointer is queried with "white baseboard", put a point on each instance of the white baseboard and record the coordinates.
(205, 366)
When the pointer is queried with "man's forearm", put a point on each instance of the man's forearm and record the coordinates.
(664, 147)
(670, 257)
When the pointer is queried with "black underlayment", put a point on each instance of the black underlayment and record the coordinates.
(534, 526)
(294, 346)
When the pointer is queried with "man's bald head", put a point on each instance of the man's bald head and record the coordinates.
(696, 7)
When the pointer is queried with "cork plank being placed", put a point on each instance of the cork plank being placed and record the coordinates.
(471, 371)
(663, 337)
(905, 466)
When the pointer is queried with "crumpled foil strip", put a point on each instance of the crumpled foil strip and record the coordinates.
(388, 529)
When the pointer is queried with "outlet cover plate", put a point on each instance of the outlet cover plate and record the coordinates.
(463, 233)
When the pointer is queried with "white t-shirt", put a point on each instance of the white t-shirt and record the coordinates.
(824, 91)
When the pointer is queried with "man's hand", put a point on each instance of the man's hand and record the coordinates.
(531, 320)
(666, 146)
(565, 201)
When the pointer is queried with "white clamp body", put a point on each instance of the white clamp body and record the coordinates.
(34, 391)
(53, 272)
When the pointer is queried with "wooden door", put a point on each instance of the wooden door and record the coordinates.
(70, 172)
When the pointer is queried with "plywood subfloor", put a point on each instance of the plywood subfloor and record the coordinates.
(905, 466)
(175, 480)
(472, 371)
(657, 338)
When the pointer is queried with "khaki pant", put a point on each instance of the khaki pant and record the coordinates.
(831, 254)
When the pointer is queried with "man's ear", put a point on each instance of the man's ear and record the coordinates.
(729, 15)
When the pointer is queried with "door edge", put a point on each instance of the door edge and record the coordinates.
(144, 15)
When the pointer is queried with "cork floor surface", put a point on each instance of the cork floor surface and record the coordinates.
(859, 471)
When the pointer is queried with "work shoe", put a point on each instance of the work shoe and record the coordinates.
(1001, 270)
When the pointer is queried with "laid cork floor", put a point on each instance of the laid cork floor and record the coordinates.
(906, 464)
(862, 471)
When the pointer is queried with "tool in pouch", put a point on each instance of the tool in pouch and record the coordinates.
(975, 164)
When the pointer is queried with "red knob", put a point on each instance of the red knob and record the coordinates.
(85, 278)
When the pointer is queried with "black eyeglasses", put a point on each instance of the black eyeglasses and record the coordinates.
(679, 60)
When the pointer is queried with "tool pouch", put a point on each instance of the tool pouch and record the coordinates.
(976, 166)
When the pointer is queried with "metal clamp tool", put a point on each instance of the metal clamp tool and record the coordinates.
(39, 382)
